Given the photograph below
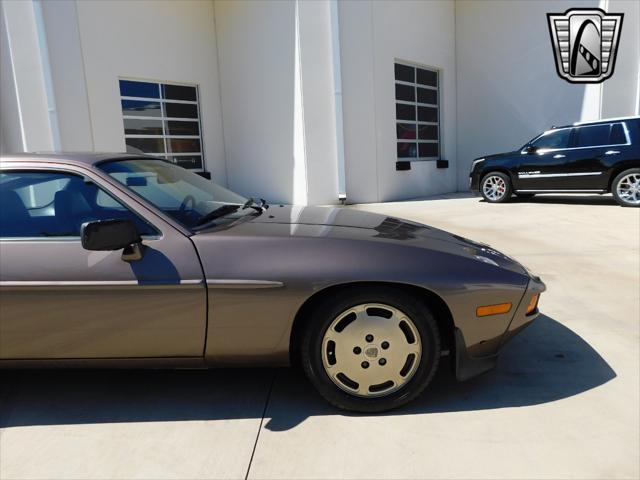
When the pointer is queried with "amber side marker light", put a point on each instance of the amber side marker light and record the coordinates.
(493, 309)
(533, 304)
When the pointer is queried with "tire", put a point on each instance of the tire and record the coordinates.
(352, 348)
(626, 188)
(495, 187)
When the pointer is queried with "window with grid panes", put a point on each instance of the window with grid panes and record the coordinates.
(162, 119)
(417, 112)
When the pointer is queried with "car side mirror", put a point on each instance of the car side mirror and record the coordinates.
(531, 150)
(112, 235)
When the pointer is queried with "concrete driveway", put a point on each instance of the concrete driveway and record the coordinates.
(564, 401)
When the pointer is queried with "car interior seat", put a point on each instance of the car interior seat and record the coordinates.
(14, 216)
(71, 210)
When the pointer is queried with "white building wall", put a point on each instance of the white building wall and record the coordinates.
(621, 92)
(68, 75)
(10, 131)
(256, 43)
(373, 35)
(278, 146)
(149, 40)
(318, 101)
(25, 123)
(508, 89)
(498, 83)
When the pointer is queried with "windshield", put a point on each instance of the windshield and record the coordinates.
(178, 192)
(551, 139)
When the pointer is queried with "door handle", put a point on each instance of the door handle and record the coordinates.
(559, 155)
(612, 152)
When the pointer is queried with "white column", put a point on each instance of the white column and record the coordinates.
(68, 74)
(300, 194)
(620, 93)
(28, 88)
(318, 112)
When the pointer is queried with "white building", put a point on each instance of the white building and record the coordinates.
(296, 100)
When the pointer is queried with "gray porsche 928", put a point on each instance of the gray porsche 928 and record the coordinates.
(126, 260)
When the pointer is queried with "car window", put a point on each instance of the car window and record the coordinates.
(593, 135)
(39, 195)
(553, 139)
(56, 204)
(618, 136)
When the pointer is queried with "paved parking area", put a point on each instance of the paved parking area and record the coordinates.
(564, 401)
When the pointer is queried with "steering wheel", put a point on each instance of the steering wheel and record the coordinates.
(189, 199)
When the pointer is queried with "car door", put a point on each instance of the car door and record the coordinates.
(60, 301)
(595, 147)
(543, 161)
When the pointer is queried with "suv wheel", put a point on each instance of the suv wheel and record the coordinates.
(371, 350)
(626, 188)
(496, 187)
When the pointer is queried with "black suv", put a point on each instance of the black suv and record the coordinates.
(594, 157)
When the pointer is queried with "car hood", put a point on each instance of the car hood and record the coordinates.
(500, 156)
(328, 216)
(352, 224)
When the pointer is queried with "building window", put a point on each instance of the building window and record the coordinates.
(162, 119)
(417, 113)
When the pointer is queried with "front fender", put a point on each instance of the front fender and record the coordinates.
(258, 283)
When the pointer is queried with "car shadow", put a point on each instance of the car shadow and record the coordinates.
(154, 266)
(547, 362)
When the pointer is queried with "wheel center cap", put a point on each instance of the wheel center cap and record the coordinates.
(371, 351)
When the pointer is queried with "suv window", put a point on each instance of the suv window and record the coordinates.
(593, 135)
(553, 139)
(56, 204)
(617, 135)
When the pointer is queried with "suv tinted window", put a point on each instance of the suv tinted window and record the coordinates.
(553, 139)
(54, 204)
(593, 135)
(617, 135)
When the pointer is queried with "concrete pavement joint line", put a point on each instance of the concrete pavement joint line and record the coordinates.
(264, 412)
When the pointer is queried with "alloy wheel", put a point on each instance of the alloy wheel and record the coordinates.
(371, 350)
(494, 188)
(628, 189)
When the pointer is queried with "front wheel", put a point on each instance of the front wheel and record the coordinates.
(626, 188)
(371, 350)
(496, 187)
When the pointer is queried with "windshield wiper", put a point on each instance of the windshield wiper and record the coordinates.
(258, 207)
(217, 213)
(228, 209)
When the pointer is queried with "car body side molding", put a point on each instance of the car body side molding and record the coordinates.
(92, 283)
(244, 284)
(552, 175)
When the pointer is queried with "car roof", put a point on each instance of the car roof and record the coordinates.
(81, 158)
(598, 122)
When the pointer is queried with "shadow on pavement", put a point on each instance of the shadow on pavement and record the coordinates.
(546, 362)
